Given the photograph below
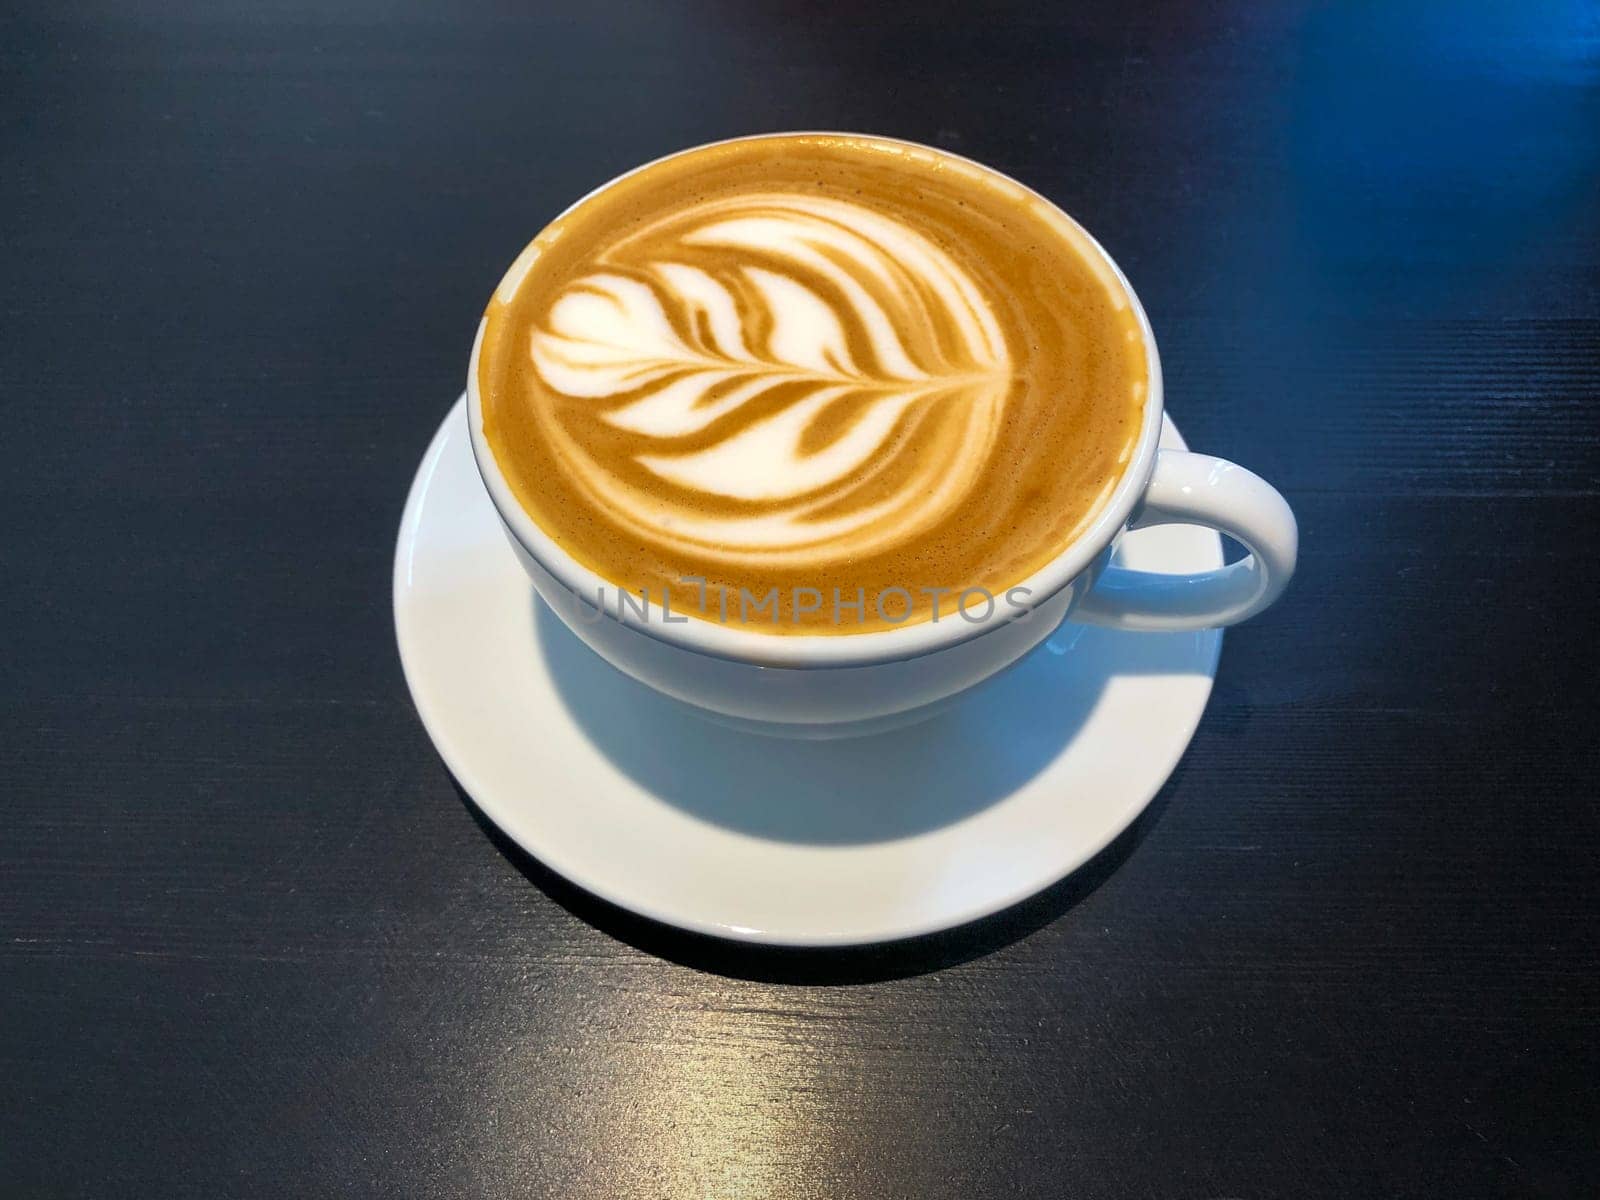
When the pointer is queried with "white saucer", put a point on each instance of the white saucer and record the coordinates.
(641, 801)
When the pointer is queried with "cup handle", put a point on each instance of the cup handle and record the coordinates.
(1196, 489)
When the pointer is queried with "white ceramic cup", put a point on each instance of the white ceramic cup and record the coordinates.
(841, 684)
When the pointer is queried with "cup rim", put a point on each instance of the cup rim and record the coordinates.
(809, 651)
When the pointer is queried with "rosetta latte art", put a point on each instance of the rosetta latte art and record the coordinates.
(791, 378)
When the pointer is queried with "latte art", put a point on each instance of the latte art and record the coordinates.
(812, 362)
(777, 377)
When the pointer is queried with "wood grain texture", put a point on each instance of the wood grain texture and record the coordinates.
(253, 941)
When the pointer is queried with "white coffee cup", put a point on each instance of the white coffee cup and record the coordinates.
(810, 685)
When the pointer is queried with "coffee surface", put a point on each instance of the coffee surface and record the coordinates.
(858, 375)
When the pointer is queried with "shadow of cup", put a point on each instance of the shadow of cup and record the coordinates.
(874, 788)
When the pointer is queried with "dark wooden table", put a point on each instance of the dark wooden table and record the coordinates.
(254, 941)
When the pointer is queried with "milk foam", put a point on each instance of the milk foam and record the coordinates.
(769, 358)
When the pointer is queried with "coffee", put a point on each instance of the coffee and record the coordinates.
(854, 378)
